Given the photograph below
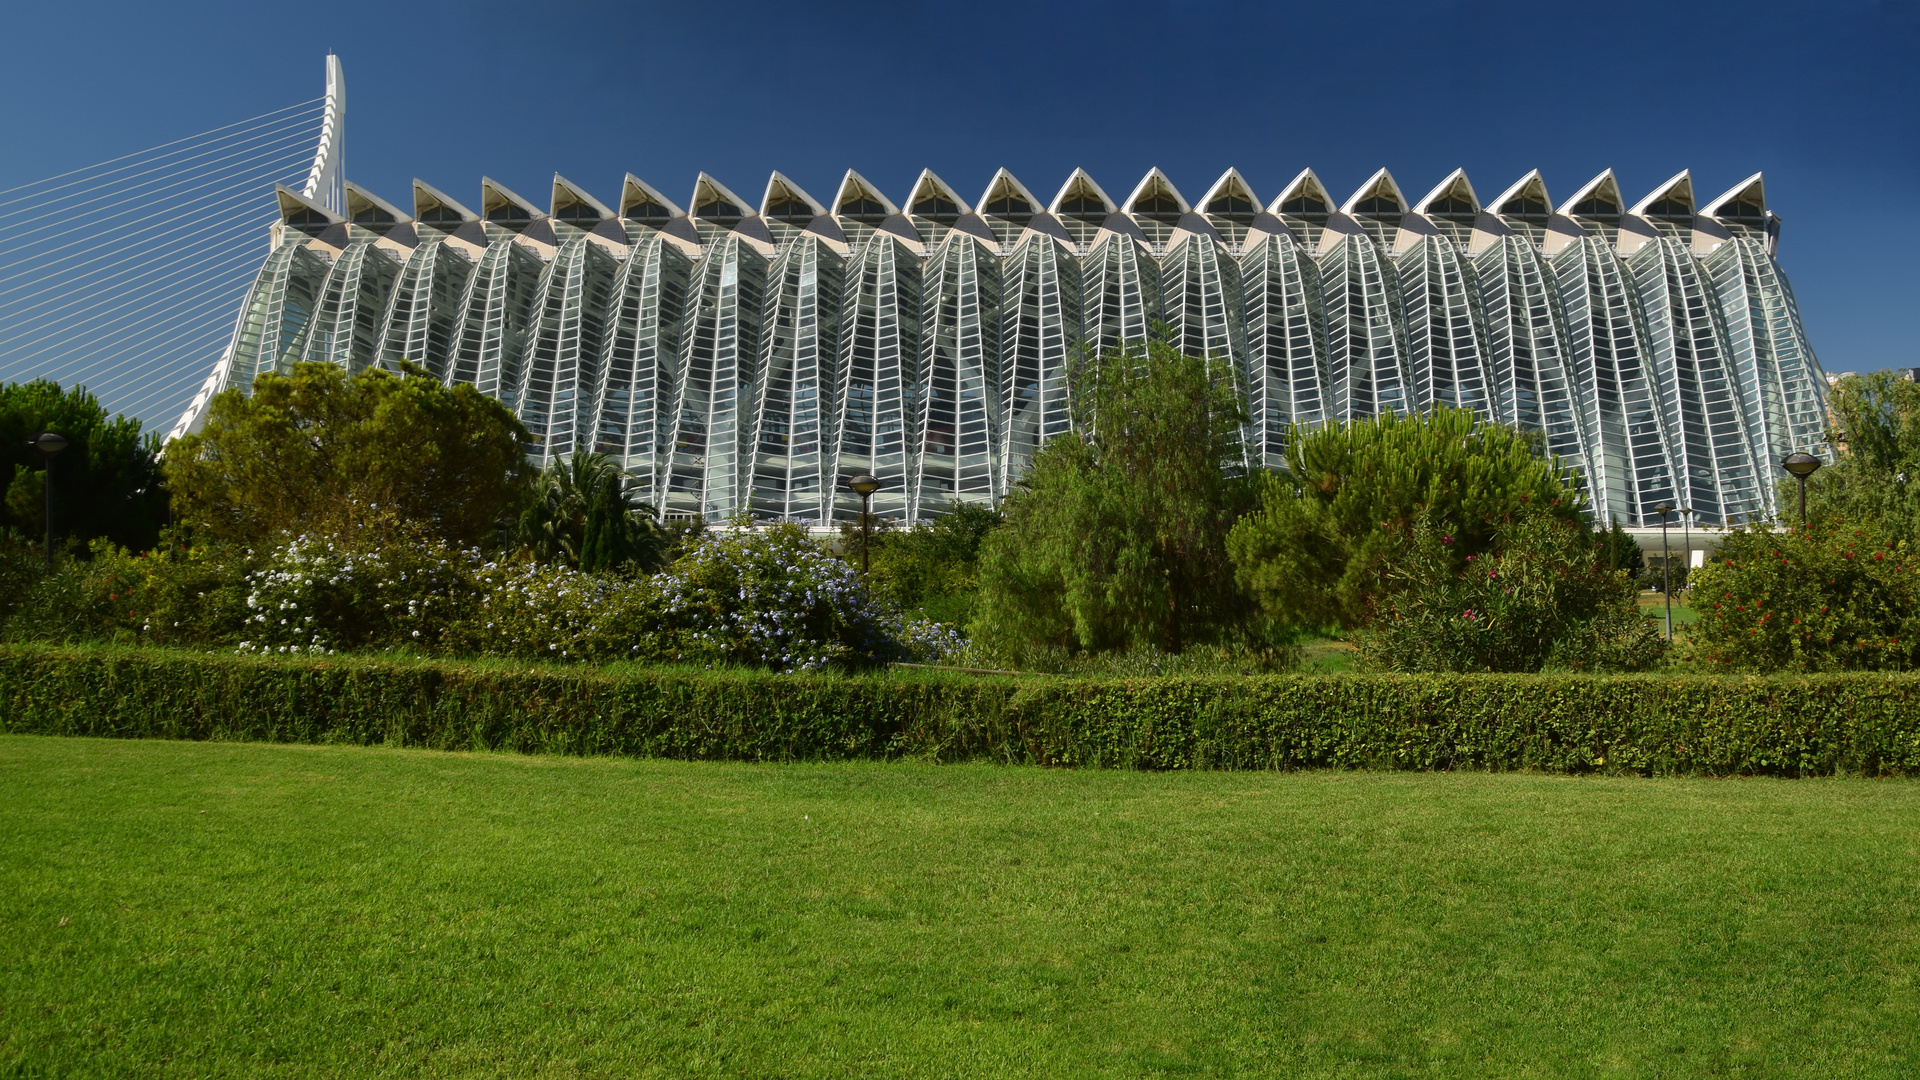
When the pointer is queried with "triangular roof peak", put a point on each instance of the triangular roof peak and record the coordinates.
(707, 191)
(635, 193)
(1079, 185)
(1378, 186)
(854, 186)
(1456, 188)
(1306, 186)
(566, 193)
(495, 197)
(1605, 188)
(293, 204)
(1531, 187)
(1752, 192)
(1156, 183)
(1003, 186)
(427, 198)
(780, 189)
(1678, 189)
(930, 186)
(1230, 185)
(360, 200)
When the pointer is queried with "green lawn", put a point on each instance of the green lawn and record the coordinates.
(179, 909)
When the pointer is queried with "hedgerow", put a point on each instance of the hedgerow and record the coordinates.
(1866, 723)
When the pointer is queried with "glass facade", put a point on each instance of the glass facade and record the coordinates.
(747, 362)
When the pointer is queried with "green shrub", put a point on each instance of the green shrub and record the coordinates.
(1637, 724)
(932, 568)
(1540, 596)
(1824, 598)
(1312, 549)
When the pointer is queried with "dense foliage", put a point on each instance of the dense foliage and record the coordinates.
(1542, 596)
(1826, 598)
(932, 568)
(1877, 477)
(106, 483)
(1316, 548)
(1651, 725)
(316, 446)
(582, 515)
(1119, 541)
(767, 597)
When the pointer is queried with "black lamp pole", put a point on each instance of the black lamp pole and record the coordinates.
(866, 484)
(1801, 465)
(1686, 531)
(1666, 565)
(49, 444)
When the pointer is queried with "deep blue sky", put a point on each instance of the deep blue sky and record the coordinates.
(1825, 97)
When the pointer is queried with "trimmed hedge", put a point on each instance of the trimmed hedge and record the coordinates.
(1645, 724)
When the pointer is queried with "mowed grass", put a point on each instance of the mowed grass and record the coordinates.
(181, 909)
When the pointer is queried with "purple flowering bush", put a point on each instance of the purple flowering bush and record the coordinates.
(1541, 598)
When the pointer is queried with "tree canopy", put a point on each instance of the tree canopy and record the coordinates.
(582, 516)
(317, 446)
(1120, 540)
(106, 483)
(1314, 549)
(1875, 482)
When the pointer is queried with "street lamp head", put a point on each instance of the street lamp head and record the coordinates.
(1800, 464)
(48, 443)
(1663, 510)
(865, 484)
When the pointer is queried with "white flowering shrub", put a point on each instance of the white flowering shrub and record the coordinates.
(553, 612)
(772, 597)
(324, 593)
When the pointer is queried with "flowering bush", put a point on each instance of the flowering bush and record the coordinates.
(326, 592)
(553, 612)
(1541, 598)
(1824, 598)
(775, 598)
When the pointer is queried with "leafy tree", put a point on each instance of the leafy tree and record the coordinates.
(1543, 596)
(1316, 548)
(106, 483)
(317, 446)
(1830, 597)
(581, 515)
(933, 567)
(1877, 477)
(1120, 541)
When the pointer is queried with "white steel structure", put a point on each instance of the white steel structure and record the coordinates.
(746, 358)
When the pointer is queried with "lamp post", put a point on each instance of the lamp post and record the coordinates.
(48, 443)
(866, 484)
(1801, 465)
(1666, 565)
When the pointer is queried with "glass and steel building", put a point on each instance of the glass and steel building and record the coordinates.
(742, 356)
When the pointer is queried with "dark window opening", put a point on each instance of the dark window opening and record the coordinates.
(790, 209)
(1084, 206)
(1158, 205)
(1740, 208)
(577, 213)
(373, 215)
(936, 207)
(1450, 204)
(1304, 204)
(442, 215)
(1378, 204)
(645, 210)
(718, 210)
(1670, 207)
(1230, 204)
(509, 212)
(1525, 206)
(1010, 206)
(861, 207)
(304, 216)
(1598, 206)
